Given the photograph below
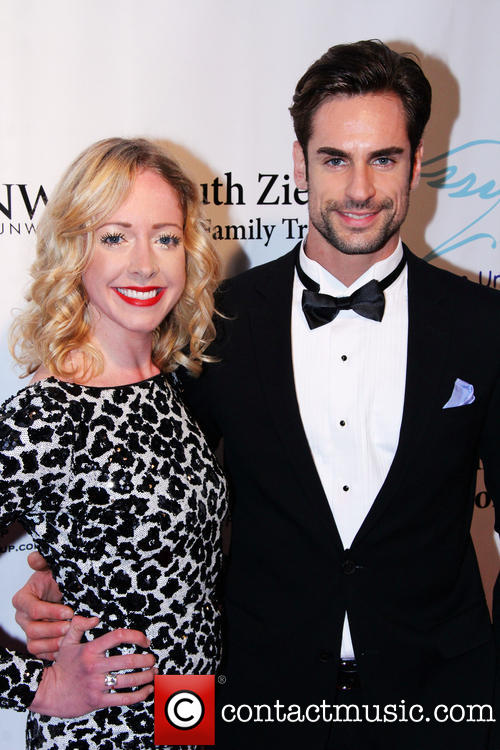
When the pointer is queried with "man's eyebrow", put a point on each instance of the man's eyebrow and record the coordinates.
(389, 151)
(332, 152)
(337, 152)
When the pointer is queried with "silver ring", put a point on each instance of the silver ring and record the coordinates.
(110, 680)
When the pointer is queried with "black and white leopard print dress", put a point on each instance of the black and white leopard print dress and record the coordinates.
(123, 497)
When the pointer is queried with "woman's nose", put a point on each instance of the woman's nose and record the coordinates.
(142, 260)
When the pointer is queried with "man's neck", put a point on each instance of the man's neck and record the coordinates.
(347, 268)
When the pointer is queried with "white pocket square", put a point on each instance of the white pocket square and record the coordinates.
(463, 394)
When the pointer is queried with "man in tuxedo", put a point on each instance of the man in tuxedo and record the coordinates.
(356, 388)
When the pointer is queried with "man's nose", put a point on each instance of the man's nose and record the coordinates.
(360, 187)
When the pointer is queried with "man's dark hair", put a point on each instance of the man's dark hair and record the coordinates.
(362, 68)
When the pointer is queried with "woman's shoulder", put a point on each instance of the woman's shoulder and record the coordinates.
(41, 374)
(72, 406)
(44, 401)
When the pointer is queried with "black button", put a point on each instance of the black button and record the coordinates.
(345, 488)
(343, 357)
(325, 656)
(342, 423)
(348, 567)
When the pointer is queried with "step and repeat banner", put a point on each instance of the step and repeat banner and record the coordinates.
(213, 81)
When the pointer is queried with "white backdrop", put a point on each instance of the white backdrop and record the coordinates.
(214, 80)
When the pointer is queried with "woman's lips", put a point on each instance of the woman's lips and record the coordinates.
(144, 296)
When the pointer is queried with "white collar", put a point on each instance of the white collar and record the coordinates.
(331, 285)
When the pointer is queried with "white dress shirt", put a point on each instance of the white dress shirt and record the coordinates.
(350, 380)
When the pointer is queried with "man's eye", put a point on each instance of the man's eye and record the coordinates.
(112, 238)
(383, 161)
(335, 161)
(169, 240)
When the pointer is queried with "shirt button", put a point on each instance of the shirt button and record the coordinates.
(345, 488)
(325, 656)
(342, 422)
(348, 567)
(343, 357)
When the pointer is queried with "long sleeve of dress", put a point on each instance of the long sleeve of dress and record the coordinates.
(35, 457)
(124, 499)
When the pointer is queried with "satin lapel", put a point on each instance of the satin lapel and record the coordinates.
(270, 323)
(429, 332)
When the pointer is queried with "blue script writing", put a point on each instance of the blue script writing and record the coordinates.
(453, 175)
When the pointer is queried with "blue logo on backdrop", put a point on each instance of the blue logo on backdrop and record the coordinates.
(451, 172)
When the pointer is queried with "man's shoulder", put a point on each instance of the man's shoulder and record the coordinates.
(245, 286)
(454, 286)
(254, 275)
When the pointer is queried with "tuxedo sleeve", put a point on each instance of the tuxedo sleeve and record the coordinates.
(202, 394)
(198, 398)
(490, 455)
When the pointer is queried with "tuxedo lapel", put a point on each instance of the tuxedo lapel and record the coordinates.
(429, 333)
(270, 323)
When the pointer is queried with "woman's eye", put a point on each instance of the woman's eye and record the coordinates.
(112, 238)
(169, 240)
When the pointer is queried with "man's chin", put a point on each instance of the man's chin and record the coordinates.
(352, 248)
(356, 243)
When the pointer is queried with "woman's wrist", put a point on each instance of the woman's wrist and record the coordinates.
(41, 700)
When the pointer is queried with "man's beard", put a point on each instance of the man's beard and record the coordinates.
(365, 245)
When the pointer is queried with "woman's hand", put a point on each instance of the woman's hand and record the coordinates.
(38, 611)
(74, 684)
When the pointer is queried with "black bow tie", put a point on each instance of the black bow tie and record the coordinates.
(368, 300)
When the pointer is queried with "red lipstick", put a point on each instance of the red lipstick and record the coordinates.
(140, 296)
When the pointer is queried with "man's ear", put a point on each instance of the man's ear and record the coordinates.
(417, 166)
(299, 166)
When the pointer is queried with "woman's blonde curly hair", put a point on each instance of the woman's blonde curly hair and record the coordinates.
(56, 321)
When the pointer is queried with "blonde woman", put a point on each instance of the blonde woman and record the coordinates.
(100, 461)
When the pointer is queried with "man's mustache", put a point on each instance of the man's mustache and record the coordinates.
(368, 205)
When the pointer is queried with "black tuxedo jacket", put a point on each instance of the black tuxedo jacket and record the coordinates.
(410, 581)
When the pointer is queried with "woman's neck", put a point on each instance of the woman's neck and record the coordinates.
(124, 362)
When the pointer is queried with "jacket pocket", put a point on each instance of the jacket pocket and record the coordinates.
(464, 632)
